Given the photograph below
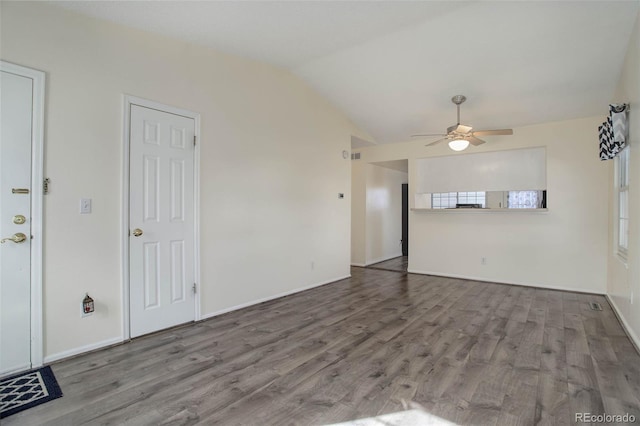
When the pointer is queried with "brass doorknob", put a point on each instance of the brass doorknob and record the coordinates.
(16, 238)
(137, 232)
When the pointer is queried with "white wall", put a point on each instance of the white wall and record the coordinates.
(508, 170)
(623, 286)
(383, 213)
(358, 213)
(565, 247)
(271, 167)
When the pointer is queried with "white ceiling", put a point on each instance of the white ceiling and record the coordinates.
(392, 66)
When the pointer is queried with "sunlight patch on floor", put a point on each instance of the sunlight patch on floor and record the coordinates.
(401, 418)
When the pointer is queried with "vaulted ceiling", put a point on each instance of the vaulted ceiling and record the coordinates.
(393, 66)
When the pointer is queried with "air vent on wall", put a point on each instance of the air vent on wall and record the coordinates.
(355, 156)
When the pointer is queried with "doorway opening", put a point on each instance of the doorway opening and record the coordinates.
(387, 215)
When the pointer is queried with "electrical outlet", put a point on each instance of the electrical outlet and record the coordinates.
(483, 260)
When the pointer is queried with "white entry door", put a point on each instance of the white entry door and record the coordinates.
(16, 136)
(161, 219)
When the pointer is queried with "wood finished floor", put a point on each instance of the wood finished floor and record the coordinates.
(398, 264)
(468, 352)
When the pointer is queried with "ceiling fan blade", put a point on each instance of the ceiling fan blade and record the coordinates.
(474, 141)
(493, 132)
(435, 142)
(459, 128)
(429, 134)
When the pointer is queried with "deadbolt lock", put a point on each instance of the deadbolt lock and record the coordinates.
(19, 219)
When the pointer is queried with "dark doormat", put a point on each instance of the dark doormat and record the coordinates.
(26, 390)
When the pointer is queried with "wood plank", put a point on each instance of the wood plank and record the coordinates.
(614, 382)
(519, 404)
(554, 354)
(552, 400)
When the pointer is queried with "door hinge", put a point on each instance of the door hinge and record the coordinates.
(45, 186)
(194, 288)
(194, 140)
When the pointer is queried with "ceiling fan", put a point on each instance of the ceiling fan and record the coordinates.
(460, 135)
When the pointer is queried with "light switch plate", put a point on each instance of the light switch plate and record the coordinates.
(85, 206)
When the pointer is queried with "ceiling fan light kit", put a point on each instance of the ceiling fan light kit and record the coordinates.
(460, 135)
(459, 144)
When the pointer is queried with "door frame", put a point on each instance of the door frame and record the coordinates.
(37, 201)
(405, 219)
(128, 101)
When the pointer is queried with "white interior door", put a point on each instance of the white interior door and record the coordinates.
(161, 218)
(16, 108)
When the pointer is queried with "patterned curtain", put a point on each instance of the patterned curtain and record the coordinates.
(613, 132)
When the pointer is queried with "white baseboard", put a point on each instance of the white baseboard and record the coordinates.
(382, 259)
(266, 299)
(625, 325)
(487, 280)
(361, 265)
(82, 349)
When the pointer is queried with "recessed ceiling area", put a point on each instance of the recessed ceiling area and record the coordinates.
(392, 66)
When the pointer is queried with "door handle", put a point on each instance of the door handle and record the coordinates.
(16, 238)
(137, 232)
